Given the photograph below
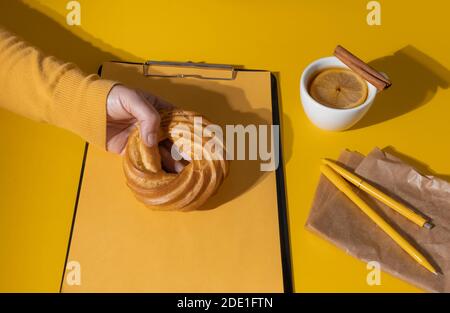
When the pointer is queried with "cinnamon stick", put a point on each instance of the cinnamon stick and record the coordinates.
(361, 68)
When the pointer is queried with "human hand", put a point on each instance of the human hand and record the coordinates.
(128, 107)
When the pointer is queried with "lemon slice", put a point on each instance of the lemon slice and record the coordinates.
(339, 88)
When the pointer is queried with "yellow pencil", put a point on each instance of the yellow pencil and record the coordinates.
(381, 196)
(343, 186)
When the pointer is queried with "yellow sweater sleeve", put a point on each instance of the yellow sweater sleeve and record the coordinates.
(45, 89)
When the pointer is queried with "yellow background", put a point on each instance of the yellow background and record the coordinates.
(40, 169)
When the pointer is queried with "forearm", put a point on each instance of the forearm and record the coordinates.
(45, 89)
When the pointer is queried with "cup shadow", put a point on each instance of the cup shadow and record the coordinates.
(415, 78)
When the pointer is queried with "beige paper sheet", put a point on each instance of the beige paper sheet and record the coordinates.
(334, 217)
(232, 245)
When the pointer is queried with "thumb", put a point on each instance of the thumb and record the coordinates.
(148, 118)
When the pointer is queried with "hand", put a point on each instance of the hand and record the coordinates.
(128, 107)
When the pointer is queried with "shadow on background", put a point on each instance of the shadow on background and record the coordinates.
(415, 80)
(79, 47)
(42, 31)
(420, 166)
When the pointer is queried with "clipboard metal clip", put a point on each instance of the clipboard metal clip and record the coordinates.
(189, 69)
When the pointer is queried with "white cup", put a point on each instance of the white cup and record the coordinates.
(326, 117)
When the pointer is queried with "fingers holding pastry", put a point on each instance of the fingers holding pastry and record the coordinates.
(169, 163)
(127, 107)
(148, 119)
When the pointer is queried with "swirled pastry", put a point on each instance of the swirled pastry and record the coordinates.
(187, 190)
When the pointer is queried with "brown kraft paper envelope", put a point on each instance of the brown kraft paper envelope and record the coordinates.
(335, 217)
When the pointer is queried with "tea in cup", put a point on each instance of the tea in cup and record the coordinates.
(346, 108)
(338, 88)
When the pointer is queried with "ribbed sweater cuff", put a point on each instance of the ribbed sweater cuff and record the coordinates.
(81, 102)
